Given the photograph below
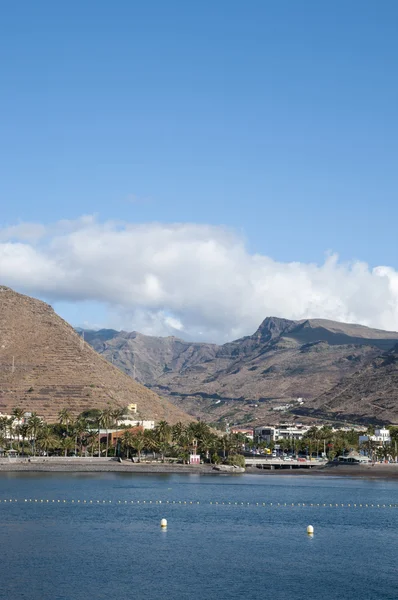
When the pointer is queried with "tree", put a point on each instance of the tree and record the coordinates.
(151, 442)
(3, 427)
(65, 418)
(46, 439)
(10, 425)
(138, 442)
(116, 414)
(105, 420)
(18, 414)
(91, 440)
(208, 443)
(67, 444)
(34, 426)
(24, 432)
(127, 441)
(79, 427)
(163, 437)
(177, 431)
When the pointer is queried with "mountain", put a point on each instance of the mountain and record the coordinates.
(246, 379)
(46, 366)
(371, 393)
(148, 358)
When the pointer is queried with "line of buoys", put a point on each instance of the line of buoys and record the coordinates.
(197, 502)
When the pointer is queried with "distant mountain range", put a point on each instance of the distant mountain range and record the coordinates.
(45, 366)
(341, 370)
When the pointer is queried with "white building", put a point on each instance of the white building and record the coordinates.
(127, 422)
(286, 431)
(380, 438)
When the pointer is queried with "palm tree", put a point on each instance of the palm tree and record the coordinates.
(67, 444)
(185, 443)
(91, 440)
(3, 427)
(177, 431)
(150, 439)
(18, 414)
(105, 420)
(163, 436)
(98, 424)
(207, 444)
(117, 414)
(34, 426)
(139, 443)
(10, 424)
(127, 441)
(79, 427)
(65, 418)
(23, 431)
(227, 444)
(46, 439)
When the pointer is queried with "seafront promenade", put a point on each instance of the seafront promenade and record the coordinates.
(104, 465)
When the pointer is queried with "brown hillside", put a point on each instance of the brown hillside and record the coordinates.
(54, 369)
(370, 394)
(242, 381)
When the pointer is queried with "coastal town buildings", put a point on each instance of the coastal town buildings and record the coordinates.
(381, 437)
(287, 431)
(246, 431)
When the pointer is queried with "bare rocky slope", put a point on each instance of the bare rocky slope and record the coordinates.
(370, 394)
(45, 366)
(243, 381)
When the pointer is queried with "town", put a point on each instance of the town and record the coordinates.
(119, 434)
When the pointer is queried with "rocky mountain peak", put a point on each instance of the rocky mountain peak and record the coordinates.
(273, 327)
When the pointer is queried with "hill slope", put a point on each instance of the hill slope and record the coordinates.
(54, 369)
(243, 380)
(369, 394)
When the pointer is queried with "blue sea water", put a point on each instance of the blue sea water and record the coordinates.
(113, 548)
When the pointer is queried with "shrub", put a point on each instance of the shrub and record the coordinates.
(215, 459)
(238, 460)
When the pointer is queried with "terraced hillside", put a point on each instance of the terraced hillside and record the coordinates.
(45, 366)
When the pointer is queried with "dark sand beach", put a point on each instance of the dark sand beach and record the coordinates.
(93, 465)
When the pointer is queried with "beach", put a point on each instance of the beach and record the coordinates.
(104, 465)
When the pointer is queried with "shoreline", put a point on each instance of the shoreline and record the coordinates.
(68, 465)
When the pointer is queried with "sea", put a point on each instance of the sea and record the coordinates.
(97, 536)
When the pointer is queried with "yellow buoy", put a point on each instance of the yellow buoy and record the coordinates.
(310, 530)
(163, 523)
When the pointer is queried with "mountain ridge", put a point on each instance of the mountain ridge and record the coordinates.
(282, 360)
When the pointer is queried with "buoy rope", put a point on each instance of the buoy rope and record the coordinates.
(6, 501)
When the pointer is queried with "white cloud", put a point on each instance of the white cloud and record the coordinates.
(197, 280)
(29, 232)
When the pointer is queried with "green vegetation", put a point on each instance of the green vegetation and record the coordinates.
(80, 436)
(236, 459)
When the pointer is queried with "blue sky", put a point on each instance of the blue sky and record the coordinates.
(276, 119)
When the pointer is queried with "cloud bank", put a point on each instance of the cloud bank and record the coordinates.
(191, 280)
